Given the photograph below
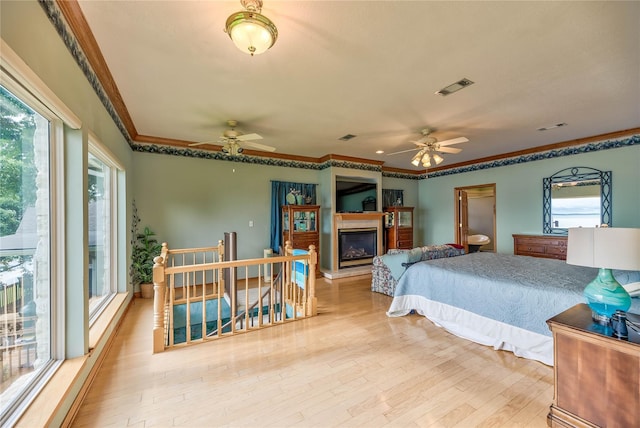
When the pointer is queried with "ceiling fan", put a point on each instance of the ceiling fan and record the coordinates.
(429, 147)
(231, 140)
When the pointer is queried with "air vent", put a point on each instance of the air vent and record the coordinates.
(557, 125)
(454, 87)
(347, 137)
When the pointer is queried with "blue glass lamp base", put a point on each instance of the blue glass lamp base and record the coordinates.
(605, 295)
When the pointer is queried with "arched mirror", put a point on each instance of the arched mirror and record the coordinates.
(576, 197)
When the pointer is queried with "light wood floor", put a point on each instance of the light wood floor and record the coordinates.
(349, 366)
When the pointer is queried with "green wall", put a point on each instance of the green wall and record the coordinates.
(519, 194)
(192, 202)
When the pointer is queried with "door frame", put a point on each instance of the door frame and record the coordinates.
(461, 213)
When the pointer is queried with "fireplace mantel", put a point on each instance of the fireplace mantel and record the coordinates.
(355, 221)
(358, 216)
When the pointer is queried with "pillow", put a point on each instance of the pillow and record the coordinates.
(396, 263)
(633, 288)
(630, 281)
(396, 251)
(626, 276)
(415, 255)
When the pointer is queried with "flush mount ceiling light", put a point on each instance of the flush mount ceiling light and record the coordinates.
(251, 32)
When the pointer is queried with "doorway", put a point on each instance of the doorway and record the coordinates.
(475, 214)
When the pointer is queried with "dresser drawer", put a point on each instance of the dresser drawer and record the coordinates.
(547, 246)
(530, 248)
(559, 250)
(405, 234)
(407, 245)
(303, 244)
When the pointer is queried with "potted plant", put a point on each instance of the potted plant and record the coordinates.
(144, 248)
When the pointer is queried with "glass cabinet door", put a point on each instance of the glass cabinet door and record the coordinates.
(304, 221)
(285, 220)
(404, 219)
(312, 221)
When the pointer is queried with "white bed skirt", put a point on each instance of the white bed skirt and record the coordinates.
(476, 328)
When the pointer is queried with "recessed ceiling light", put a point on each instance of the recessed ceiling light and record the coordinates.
(379, 152)
(454, 87)
(557, 125)
(347, 137)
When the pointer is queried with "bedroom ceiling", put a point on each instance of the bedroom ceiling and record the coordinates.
(371, 69)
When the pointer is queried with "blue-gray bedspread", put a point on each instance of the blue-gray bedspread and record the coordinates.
(517, 290)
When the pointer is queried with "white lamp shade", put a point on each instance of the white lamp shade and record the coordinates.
(604, 247)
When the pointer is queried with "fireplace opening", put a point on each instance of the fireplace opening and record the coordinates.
(357, 247)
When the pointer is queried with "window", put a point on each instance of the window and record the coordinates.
(26, 266)
(102, 187)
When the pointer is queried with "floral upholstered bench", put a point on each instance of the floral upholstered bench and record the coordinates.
(388, 268)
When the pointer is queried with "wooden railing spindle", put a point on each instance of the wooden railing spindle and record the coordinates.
(179, 275)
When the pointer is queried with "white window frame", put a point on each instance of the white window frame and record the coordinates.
(19, 79)
(56, 248)
(97, 149)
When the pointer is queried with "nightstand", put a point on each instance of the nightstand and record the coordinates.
(596, 376)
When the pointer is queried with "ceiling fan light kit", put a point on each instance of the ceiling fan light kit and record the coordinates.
(231, 139)
(428, 147)
(251, 32)
(232, 149)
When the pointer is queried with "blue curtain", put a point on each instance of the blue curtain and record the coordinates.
(392, 198)
(279, 190)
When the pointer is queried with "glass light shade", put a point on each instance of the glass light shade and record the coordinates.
(251, 32)
(415, 161)
(438, 159)
(426, 161)
(605, 248)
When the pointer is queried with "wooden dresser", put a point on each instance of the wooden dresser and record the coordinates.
(546, 246)
(399, 227)
(301, 226)
(596, 376)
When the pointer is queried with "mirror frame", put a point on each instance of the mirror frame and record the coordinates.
(568, 175)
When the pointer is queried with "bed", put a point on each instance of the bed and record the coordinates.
(498, 300)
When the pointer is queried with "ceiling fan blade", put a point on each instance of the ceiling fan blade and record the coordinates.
(448, 150)
(259, 146)
(404, 151)
(420, 142)
(453, 141)
(202, 143)
(248, 137)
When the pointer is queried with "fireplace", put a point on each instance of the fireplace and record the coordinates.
(357, 247)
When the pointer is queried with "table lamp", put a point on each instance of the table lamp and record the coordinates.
(605, 248)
